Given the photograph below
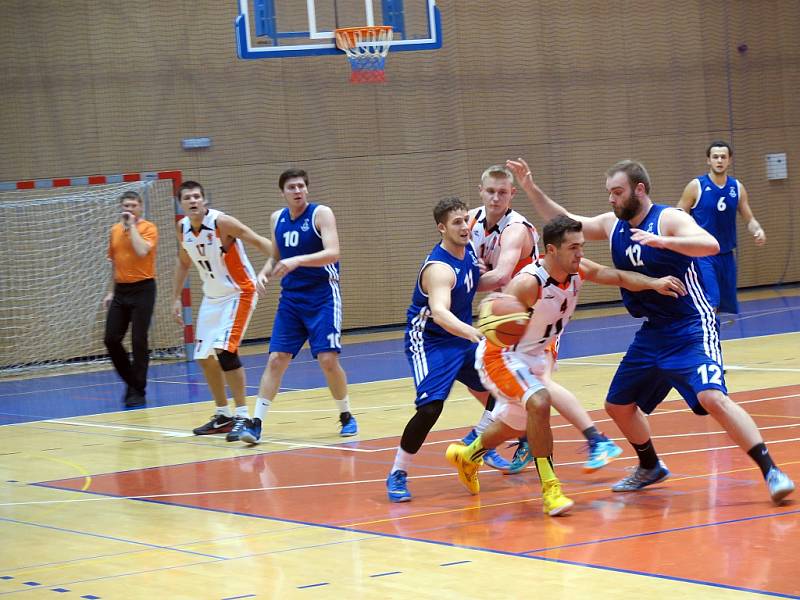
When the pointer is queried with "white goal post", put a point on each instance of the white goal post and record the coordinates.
(55, 271)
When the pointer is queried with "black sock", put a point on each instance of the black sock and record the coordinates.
(648, 459)
(490, 402)
(760, 454)
(345, 417)
(592, 435)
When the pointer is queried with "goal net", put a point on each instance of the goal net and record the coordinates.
(55, 273)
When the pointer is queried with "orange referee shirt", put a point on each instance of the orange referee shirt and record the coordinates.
(129, 267)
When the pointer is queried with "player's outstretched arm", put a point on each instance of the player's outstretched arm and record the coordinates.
(594, 228)
(681, 234)
(755, 229)
(437, 280)
(630, 280)
(231, 227)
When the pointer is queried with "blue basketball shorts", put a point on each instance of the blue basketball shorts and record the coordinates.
(315, 316)
(684, 356)
(719, 279)
(437, 363)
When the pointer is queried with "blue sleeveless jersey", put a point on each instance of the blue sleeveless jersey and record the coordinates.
(419, 320)
(715, 210)
(658, 262)
(299, 236)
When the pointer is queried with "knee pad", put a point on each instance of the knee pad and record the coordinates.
(490, 403)
(228, 361)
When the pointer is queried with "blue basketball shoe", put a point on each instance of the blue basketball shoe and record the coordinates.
(521, 459)
(494, 460)
(470, 437)
(350, 428)
(397, 488)
(251, 432)
(601, 452)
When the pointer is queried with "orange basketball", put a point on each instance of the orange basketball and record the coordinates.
(503, 320)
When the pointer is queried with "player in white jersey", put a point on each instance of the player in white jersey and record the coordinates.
(212, 241)
(506, 242)
(519, 377)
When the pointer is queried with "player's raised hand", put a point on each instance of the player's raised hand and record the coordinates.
(520, 169)
(670, 286)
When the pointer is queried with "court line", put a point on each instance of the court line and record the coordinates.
(302, 444)
(358, 482)
(165, 432)
(572, 493)
(183, 434)
(661, 531)
(109, 537)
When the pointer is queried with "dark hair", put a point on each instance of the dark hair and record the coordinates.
(444, 207)
(190, 185)
(634, 170)
(719, 144)
(556, 228)
(291, 174)
(130, 195)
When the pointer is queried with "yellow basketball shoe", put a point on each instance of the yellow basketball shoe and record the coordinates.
(555, 503)
(458, 456)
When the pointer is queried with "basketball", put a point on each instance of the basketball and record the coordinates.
(503, 320)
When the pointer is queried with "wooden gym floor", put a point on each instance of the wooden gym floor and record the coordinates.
(98, 502)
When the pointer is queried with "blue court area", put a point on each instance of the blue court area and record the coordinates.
(101, 391)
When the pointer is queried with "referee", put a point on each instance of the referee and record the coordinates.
(132, 252)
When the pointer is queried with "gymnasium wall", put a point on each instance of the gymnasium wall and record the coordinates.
(111, 87)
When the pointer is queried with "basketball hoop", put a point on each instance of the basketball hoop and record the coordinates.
(366, 49)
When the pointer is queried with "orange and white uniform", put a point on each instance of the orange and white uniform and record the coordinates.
(229, 286)
(487, 242)
(512, 375)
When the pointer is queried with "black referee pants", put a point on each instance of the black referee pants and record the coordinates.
(132, 305)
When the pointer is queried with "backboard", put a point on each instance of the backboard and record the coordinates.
(287, 28)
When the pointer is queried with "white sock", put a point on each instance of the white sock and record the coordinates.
(486, 420)
(262, 407)
(241, 411)
(225, 411)
(402, 460)
(343, 404)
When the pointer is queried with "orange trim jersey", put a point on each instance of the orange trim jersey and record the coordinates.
(224, 271)
(552, 311)
(129, 267)
(487, 243)
(513, 374)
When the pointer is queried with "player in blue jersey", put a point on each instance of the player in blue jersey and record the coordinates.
(713, 200)
(678, 344)
(305, 258)
(440, 340)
